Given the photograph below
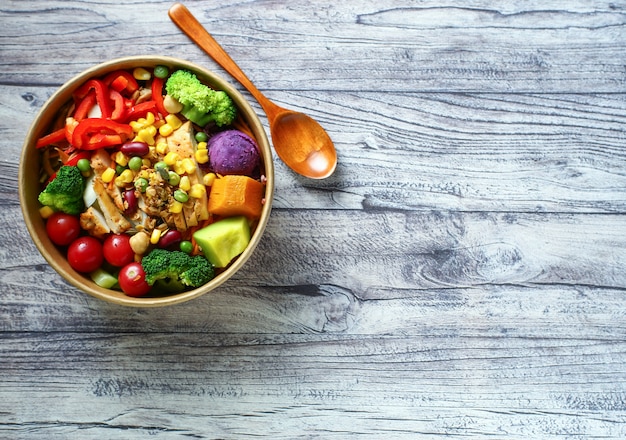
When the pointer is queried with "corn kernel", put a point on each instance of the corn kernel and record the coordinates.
(150, 118)
(197, 190)
(202, 156)
(188, 165)
(141, 74)
(173, 121)
(127, 176)
(178, 167)
(46, 211)
(108, 175)
(161, 147)
(184, 183)
(171, 158)
(145, 174)
(166, 130)
(146, 135)
(201, 146)
(155, 236)
(208, 179)
(176, 207)
(121, 159)
(136, 126)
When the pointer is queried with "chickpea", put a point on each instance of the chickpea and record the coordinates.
(139, 242)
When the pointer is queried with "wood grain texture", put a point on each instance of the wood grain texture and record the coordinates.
(460, 275)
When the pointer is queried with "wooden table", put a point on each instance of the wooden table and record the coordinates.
(462, 273)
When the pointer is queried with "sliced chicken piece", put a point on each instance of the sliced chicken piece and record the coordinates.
(100, 162)
(183, 143)
(114, 218)
(179, 222)
(116, 195)
(94, 222)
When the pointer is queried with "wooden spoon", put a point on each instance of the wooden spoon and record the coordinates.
(298, 139)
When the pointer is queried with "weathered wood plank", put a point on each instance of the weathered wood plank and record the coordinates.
(575, 46)
(289, 387)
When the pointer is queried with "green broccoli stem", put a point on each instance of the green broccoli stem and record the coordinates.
(196, 116)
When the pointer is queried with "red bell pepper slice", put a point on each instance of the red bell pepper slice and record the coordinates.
(103, 140)
(121, 81)
(102, 95)
(94, 133)
(85, 105)
(157, 95)
(74, 158)
(120, 105)
(52, 138)
(141, 110)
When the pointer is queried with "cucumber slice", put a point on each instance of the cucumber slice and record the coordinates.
(103, 279)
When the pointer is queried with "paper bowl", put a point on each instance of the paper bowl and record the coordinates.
(30, 187)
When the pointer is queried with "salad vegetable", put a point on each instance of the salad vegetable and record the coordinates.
(63, 228)
(65, 191)
(201, 104)
(177, 266)
(224, 240)
(127, 181)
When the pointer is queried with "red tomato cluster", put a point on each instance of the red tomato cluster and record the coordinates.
(86, 254)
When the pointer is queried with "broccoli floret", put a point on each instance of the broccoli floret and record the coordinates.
(157, 266)
(176, 266)
(201, 104)
(199, 272)
(65, 192)
(224, 111)
(168, 286)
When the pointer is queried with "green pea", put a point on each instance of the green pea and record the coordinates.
(161, 71)
(162, 168)
(135, 163)
(83, 165)
(119, 169)
(201, 136)
(186, 246)
(141, 184)
(181, 196)
(173, 178)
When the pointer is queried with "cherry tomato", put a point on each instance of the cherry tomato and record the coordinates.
(63, 228)
(85, 254)
(117, 250)
(132, 280)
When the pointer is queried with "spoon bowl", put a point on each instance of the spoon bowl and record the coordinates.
(299, 141)
(304, 144)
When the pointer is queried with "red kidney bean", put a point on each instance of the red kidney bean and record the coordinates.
(131, 200)
(170, 239)
(135, 148)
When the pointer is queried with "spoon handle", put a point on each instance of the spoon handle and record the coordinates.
(185, 20)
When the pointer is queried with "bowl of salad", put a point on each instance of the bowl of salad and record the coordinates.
(146, 181)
